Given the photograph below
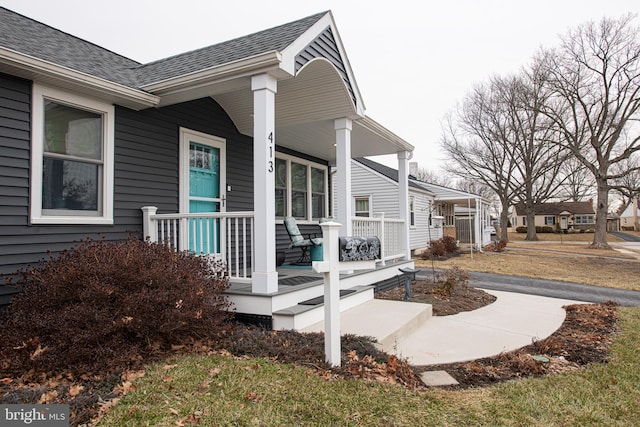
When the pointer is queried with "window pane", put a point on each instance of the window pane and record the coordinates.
(69, 185)
(362, 205)
(317, 207)
(71, 131)
(281, 203)
(299, 204)
(281, 173)
(317, 180)
(298, 177)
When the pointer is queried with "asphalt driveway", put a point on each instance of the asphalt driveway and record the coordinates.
(548, 288)
(626, 236)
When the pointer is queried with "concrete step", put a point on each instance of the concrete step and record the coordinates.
(387, 321)
(308, 312)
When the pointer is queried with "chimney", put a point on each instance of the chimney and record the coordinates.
(413, 169)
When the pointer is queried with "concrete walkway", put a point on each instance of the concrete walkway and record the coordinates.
(511, 322)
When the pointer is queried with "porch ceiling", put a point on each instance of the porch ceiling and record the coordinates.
(306, 107)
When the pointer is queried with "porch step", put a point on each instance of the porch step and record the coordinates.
(310, 311)
(385, 320)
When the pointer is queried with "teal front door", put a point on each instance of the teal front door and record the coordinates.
(205, 191)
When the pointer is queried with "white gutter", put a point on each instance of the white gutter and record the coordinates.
(35, 68)
(376, 128)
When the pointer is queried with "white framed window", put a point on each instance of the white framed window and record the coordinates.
(362, 206)
(412, 211)
(300, 188)
(583, 219)
(71, 158)
(549, 220)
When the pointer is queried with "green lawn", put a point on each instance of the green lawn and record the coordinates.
(221, 390)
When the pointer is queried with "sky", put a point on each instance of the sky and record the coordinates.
(413, 60)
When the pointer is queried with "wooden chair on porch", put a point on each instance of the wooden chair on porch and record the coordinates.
(299, 241)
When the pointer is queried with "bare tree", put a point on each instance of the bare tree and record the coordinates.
(475, 138)
(628, 185)
(432, 177)
(537, 161)
(577, 181)
(499, 137)
(595, 79)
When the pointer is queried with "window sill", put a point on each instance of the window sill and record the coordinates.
(76, 220)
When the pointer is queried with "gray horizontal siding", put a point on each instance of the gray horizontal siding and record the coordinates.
(146, 172)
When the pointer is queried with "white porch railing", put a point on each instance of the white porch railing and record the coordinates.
(388, 230)
(228, 235)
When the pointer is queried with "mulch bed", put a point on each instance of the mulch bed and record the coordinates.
(460, 298)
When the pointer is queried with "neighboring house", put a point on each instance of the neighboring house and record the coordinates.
(466, 216)
(208, 150)
(432, 207)
(374, 189)
(560, 215)
(630, 216)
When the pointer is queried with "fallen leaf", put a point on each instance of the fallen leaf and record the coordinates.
(167, 367)
(174, 411)
(38, 352)
(6, 380)
(75, 390)
(47, 397)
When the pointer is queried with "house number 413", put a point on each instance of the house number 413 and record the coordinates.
(270, 138)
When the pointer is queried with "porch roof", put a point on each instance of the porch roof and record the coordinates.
(314, 88)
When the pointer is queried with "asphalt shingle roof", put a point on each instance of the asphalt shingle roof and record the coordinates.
(556, 208)
(385, 170)
(33, 38)
(276, 38)
(41, 41)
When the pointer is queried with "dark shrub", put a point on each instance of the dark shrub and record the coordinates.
(544, 229)
(521, 229)
(437, 248)
(101, 306)
(496, 246)
(450, 244)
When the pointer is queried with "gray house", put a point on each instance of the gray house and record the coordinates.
(208, 150)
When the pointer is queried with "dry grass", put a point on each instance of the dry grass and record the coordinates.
(570, 262)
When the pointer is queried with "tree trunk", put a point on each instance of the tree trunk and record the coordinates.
(504, 224)
(531, 225)
(602, 208)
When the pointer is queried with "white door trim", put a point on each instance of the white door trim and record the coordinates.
(186, 136)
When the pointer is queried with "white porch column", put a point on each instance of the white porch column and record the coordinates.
(477, 223)
(343, 175)
(403, 199)
(265, 276)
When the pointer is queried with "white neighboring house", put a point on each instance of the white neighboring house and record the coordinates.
(434, 210)
(374, 191)
(462, 212)
(629, 217)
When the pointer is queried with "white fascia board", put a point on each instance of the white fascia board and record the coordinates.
(375, 127)
(290, 52)
(269, 62)
(36, 67)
